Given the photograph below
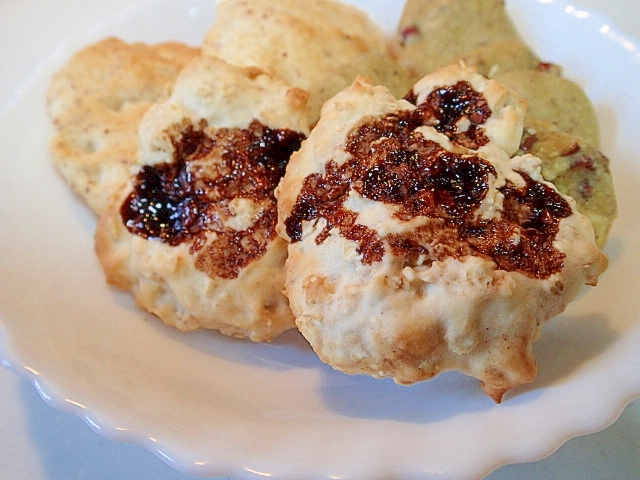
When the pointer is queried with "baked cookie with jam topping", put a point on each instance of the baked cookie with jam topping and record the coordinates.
(418, 244)
(318, 46)
(96, 101)
(192, 235)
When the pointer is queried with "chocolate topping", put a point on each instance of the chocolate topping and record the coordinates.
(188, 199)
(457, 111)
(392, 163)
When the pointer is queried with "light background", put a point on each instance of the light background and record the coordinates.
(38, 442)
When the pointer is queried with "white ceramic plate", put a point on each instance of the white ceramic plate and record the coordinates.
(211, 405)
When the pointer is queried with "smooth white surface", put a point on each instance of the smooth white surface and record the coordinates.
(38, 442)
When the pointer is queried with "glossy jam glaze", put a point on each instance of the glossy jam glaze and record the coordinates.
(392, 163)
(189, 199)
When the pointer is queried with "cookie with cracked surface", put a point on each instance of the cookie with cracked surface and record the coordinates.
(192, 235)
(412, 253)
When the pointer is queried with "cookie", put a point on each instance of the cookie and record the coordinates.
(412, 253)
(96, 102)
(192, 235)
(317, 46)
(498, 57)
(577, 169)
(555, 99)
(435, 33)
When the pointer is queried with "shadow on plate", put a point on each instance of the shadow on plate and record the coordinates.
(567, 344)
(288, 351)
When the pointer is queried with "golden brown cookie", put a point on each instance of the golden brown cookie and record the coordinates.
(413, 250)
(96, 102)
(192, 235)
(577, 169)
(318, 46)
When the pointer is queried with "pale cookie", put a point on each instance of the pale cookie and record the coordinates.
(96, 102)
(193, 234)
(411, 254)
(577, 169)
(557, 100)
(469, 108)
(318, 46)
(498, 57)
(435, 33)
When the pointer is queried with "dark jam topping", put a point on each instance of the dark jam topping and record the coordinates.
(457, 111)
(393, 164)
(522, 239)
(188, 199)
